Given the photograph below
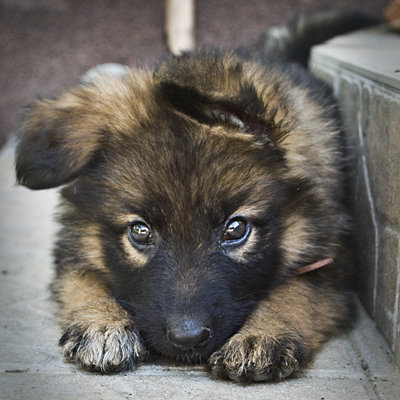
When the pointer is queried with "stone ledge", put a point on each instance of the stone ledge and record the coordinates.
(374, 54)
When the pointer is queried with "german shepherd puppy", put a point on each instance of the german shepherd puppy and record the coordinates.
(198, 201)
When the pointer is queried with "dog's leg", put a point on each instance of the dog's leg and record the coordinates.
(283, 333)
(98, 333)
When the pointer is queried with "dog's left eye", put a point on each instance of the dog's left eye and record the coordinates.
(236, 231)
(140, 233)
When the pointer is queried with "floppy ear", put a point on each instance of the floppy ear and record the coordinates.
(214, 90)
(58, 140)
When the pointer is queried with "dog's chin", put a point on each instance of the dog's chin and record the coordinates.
(188, 356)
(191, 356)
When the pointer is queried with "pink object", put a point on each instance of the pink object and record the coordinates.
(312, 267)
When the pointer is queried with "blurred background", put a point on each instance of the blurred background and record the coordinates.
(46, 45)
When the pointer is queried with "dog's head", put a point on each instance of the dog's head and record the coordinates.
(197, 188)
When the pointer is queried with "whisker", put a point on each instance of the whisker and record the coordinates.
(129, 305)
(253, 294)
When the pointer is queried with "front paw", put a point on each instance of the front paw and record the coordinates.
(247, 358)
(103, 349)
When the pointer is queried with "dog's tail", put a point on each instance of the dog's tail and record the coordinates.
(293, 42)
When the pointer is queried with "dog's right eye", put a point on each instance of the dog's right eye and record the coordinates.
(236, 231)
(140, 233)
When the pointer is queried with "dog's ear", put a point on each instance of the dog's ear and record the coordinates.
(215, 89)
(58, 140)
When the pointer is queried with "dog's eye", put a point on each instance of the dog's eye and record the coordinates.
(236, 231)
(140, 233)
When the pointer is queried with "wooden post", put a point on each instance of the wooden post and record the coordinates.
(179, 24)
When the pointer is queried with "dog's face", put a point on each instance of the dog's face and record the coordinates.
(186, 188)
(195, 244)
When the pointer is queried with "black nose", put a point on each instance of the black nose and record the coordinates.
(188, 335)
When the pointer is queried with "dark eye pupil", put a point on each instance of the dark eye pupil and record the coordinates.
(140, 233)
(236, 229)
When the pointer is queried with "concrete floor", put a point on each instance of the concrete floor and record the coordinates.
(358, 365)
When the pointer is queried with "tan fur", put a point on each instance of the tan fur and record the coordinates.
(91, 247)
(99, 333)
(137, 258)
(295, 239)
(293, 318)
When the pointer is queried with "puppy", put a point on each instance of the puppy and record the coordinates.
(199, 201)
